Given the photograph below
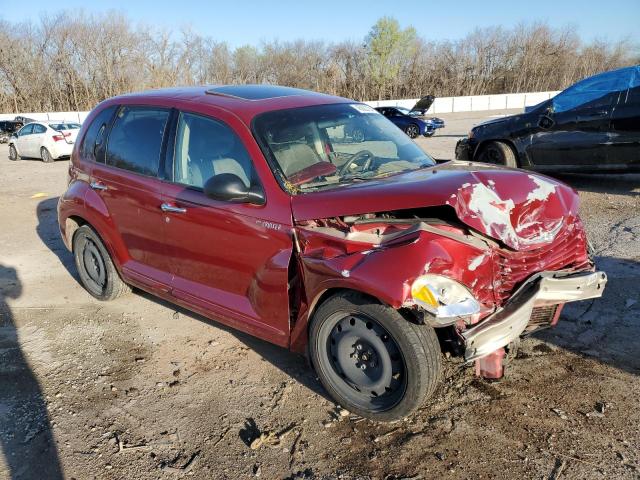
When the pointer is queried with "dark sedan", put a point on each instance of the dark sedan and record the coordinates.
(592, 126)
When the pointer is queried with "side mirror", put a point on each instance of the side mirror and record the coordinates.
(545, 121)
(228, 187)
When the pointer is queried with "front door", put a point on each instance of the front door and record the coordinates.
(128, 185)
(22, 140)
(229, 261)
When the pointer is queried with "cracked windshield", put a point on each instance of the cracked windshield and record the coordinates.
(327, 146)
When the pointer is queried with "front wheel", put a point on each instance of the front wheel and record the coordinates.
(499, 153)
(370, 359)
(95, 267)
(13, 153)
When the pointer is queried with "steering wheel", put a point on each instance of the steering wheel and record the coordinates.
(355, 158)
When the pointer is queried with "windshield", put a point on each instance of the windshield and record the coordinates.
(328, 146)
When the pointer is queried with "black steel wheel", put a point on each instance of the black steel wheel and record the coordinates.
(45, 155)
(13, 153)
(95, 267)
(372, 361)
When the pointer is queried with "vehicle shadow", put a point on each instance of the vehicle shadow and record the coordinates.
(26, 438)
(48, 231)
(619, 183)
(290, 363)
(606, 328)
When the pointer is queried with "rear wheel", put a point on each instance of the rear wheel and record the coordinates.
(499, 153)
(97, 272)
(412, 130)
(13, 153)
(45, 155)
(370, 359)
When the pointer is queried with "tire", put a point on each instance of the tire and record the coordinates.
(13, 153)
(350, 330)
(45, 155)
(412, 130)
(95, 267)
(499, 153)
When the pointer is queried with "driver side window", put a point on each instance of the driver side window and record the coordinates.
(26, 130)
(597, 91)
(206, 147)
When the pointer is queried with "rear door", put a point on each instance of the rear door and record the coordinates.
(129, 186)
(37, 139)
(22, 140)
(625, 126)
(228, 260)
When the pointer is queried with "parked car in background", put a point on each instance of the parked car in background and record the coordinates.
(592, 126)
(413, 121)
(45, 140)
(252, 206)
(8, 128)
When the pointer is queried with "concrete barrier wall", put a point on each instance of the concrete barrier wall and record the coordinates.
(472, 103)
(48, 116)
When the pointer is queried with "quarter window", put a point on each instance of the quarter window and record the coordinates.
(206, 147)
(93, 142)
(135, 140)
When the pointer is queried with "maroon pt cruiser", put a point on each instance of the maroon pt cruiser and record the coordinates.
(256, 206)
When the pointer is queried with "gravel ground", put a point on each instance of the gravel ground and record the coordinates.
(138, 389)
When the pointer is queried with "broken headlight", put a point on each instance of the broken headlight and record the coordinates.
(446, 299)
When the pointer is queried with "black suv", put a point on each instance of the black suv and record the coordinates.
(8, 128)
(592, 126)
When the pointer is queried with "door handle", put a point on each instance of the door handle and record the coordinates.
(165, 207)
(98, 186)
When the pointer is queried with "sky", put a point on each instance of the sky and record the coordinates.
(240, 22)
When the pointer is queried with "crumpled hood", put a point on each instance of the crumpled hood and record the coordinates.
(521, 209)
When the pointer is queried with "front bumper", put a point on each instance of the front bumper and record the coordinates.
(463, 149)
(546, 288)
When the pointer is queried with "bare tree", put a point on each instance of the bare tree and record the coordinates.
(74, 61)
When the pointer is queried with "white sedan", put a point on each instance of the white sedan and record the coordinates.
(45, 140)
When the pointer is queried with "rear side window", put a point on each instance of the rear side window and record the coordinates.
(596, 91)
(135, 140)
(93, 143)
(37, 128)
(633, 96)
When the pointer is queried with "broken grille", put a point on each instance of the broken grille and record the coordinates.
(567, 252)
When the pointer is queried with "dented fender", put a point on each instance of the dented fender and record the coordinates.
(384, 267)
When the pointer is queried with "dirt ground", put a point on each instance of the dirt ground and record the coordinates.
(137, 389)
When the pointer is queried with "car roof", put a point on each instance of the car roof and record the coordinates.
(245, 101)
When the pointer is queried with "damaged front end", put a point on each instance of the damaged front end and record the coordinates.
(490, 264)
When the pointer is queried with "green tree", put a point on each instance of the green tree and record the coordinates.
(388, 47)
